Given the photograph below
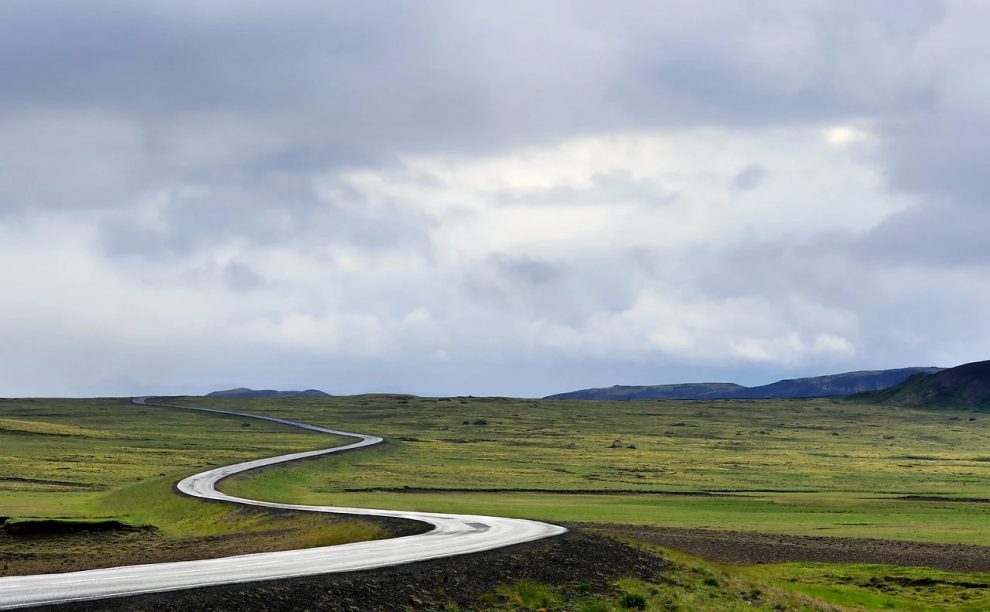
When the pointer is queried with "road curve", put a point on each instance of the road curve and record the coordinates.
(451, 534)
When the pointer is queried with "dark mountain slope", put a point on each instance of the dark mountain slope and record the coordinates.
(242, 392)
(965, 386)
(632, 392)
(834, 385)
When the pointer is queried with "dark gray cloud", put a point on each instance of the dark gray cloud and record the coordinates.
(396, 76)
(528, 270)
(749, 177)
(935, 235)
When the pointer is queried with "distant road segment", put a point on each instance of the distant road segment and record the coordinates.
(451, 534)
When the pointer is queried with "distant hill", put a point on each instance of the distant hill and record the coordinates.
(634, 392)
(833, 385)
(244, 393)
(965, 386)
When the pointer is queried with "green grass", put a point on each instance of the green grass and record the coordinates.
(798, 514)
(789, 472)
(529, 595)
(811, 467)
(847, 586)
(786, 471)
(66, 457)
(880, 586)
(690, 583)
(16, 426)
(810, 445)
(108, 459)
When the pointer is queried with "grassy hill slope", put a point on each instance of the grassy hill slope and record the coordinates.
(966, 386)
(633, 392)
(244, 393)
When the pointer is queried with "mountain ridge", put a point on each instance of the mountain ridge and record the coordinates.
(830, 385)
(245, 393)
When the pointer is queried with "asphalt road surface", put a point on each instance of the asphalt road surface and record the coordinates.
(452, 534)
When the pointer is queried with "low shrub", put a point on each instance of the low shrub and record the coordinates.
(633, 601)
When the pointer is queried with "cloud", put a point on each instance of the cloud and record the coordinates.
(934, 236)
(510, 198)
(749, 177)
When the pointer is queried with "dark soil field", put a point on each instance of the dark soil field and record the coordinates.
(746, 547)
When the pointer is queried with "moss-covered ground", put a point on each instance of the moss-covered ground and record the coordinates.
(811, 467)
(805, 467)
(85, 460)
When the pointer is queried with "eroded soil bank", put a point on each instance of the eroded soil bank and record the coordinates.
(56, 546)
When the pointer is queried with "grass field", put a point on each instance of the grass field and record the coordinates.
(795, 514)
(737, 446)
(109, 459)
(695, 584)
(804, 467)
(814, 467)
(62, 457)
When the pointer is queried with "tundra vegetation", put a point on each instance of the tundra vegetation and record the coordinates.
(70, 467)
(795, 467)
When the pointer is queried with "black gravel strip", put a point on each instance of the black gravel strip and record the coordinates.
(745, 547)
(573, 558)
(553, 491)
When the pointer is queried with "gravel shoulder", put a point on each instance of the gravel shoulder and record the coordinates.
(459, 581)
(586, 555)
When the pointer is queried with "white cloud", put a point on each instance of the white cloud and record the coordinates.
(525, 251)
(500, 203)
(844, 135)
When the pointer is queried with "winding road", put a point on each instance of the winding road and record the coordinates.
(451, 534)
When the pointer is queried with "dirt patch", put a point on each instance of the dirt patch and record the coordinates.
(928, 582)
(554, 491)
(49, 527)
(70, 551)
(51, 483)
(574, 558)
(751, 547)
(936, 498)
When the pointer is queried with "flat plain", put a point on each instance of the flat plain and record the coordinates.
(802, 468)
(68, 468)
(813, 467)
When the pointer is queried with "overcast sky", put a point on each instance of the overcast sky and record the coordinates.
(513, 198)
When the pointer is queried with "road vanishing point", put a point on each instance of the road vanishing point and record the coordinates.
(450, 535)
